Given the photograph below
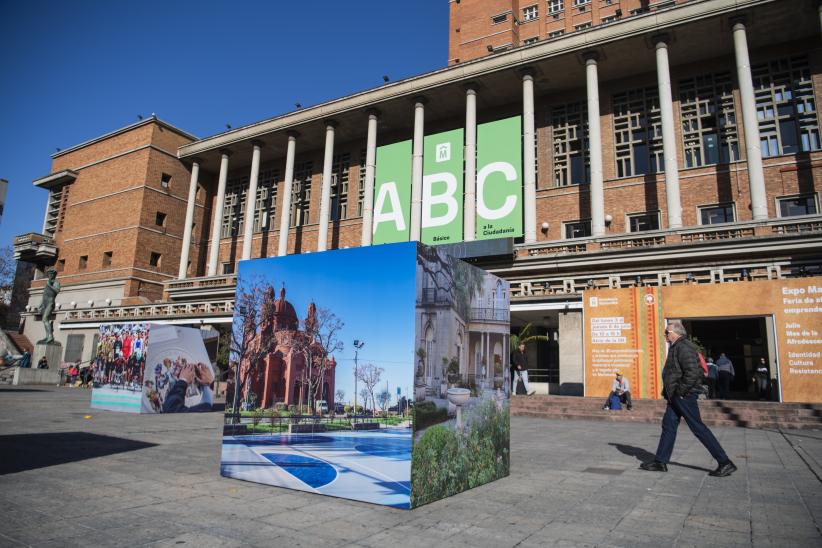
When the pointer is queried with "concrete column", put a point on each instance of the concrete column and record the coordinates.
(325, 197)
(250, 200)
(753, 148)
(370, 169)
(669, 145)
(595, 147)
(217, 216)
(571, 365)
(416, 170)
(187, 229)
(529, 176)
(469, 223)
(285, 208)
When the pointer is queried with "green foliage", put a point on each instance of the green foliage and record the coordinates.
(445, 462)
(427, 413)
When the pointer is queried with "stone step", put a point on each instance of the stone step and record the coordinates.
(651, 420)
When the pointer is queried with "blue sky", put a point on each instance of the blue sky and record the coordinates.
(371, 289)
(72, 71)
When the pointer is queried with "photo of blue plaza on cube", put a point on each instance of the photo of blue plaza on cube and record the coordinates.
(322, 365)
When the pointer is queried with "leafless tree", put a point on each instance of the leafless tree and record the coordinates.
(370, 374)
(384, 398)
(317, 342)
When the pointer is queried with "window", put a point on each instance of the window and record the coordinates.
(83, 264)
(165, 180)
(530, 13)
(577, 229)
(532, 40)
(580, 3)
(610, 19)
(160, 219)
(265, 203)
(154, 259)
(555, 6)
(497, 19)
(570, 132)
(107, 256)
(301, 194)
(226, 268)
(234, 206)
(60, 266)
(74, 348)
(56, 209)
(340, 167)
(639, 11)
(716, 214)
(785, 107)
(709, 131)
(638, 132)
(791, 206)
(583, 26)
(556, 33)
(640, 222)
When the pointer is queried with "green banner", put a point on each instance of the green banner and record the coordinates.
(442, 188)
(392, 193)
(499, 179)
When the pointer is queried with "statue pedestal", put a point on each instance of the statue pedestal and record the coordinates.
(53, 353)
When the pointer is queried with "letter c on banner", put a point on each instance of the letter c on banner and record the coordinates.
(446, 198)
(388, 191)
(510, 202)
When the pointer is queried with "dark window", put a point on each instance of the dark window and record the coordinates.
(160, 220)
(83, 264)
(74, 348)
(503, 17)
(227, 268)
(165, 180)
(715, 214)
(578, 229)
(797, 205)
(709, 133)
(107, 255)
(643, 221)
(154, 259)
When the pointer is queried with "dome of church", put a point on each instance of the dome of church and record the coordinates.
(285, 317)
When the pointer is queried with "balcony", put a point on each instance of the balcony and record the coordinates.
(35, 248)
(193, 311)
(200, 288)
(490, 315)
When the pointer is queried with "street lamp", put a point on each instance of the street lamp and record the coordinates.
(358, 344)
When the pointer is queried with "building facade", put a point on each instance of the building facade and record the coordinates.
(676, 144)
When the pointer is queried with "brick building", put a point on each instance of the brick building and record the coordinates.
(676, 143)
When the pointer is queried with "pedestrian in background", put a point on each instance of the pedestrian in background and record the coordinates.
(725, 367)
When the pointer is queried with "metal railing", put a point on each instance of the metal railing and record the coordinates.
(498, 315)
(269, 422)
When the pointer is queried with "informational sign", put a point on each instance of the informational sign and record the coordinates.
(442, 188)
(622, 328)
(392, 193)
(499, 179)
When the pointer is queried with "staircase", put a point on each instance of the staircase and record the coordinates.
(20, 341)
(748, 414)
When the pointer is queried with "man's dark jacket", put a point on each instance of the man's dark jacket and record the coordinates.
(682, 373)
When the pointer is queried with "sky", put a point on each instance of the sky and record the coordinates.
(72, 71)
(371, 289)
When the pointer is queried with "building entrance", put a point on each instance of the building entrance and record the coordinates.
(745, 341)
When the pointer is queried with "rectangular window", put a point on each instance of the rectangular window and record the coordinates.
(530, 13)
(792, 206)
(83, 264)
(340, 167)
(234, 206)
(74, 348)
(532, 40)
(555, 6)
(576, 229)
(301, 194)
(638, 132)
(640, 222)
(107, 256)
(716, 214)
(583, 26)
(160, 219)
(556, 33)
(165, 180)
(610, 19)
(497, 19)
(709, 131)
(154, 259)
(265, 203)
(226, 268)
(785, 107)
(570, 134)
(580, 3)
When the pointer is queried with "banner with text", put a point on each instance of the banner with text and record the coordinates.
(392, 193)
(499, 179)
(442, 188)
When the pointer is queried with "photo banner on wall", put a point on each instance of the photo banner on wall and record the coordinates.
(499, 179)
(392, 193)
(442, 188)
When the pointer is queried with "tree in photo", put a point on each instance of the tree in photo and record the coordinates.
(339, 395)
(450, 277)
(384, 399)
(364, 394)
(317, 342)
(369, 374)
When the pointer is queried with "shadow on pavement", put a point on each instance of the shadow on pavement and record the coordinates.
(22, 452)
(21, 390)
(643, 455)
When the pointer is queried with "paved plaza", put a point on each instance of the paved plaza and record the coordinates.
(71, 476)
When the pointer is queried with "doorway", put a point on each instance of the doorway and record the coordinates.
(744, 340)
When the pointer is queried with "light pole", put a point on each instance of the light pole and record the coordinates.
(358, 344)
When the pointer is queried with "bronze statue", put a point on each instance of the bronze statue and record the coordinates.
(50, 291)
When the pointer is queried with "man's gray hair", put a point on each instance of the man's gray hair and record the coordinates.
(677, 327)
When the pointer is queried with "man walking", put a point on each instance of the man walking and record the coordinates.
(726, 375)
(681, 385)
(519, 369)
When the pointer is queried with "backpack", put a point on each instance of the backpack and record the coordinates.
(703, 363)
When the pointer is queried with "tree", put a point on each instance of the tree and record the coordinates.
(384, 399)
(317, 342)
(525, 336)
(364, 397)
(451, 276)
(370, 374)
(339, 395)
(8, 267)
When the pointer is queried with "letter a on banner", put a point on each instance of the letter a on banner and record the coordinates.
(392, 193)
(499, 179)
(442, 187)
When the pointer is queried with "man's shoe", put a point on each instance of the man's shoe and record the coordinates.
(723, 470)
(654, 466)
(605, 408)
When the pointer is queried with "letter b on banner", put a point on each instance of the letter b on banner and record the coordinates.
(499, 179)
(442, 186)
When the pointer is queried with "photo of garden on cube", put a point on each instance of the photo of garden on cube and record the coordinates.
(376, 374)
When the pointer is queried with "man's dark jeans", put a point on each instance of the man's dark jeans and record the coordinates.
(687, 409)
